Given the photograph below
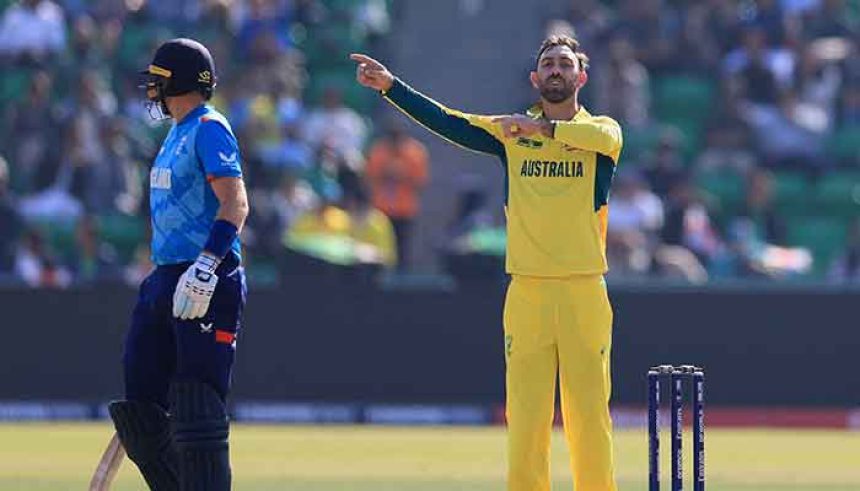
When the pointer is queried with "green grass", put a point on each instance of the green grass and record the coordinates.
(37, 457)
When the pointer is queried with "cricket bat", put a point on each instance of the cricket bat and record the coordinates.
(108, 465)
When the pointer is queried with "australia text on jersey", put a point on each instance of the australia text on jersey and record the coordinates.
(551, 168)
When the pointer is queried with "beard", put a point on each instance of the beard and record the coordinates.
(559, 93)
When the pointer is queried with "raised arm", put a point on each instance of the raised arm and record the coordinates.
(601, 135)
(466, 130)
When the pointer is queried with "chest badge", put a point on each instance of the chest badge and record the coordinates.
(529, 143)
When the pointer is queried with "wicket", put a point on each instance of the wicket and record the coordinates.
(676, 376)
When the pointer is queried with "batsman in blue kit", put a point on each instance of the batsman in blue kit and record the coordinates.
(182, 340)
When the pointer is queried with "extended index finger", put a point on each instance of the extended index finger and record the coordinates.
(365, 59)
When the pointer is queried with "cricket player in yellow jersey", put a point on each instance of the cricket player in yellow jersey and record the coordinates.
(559, 162)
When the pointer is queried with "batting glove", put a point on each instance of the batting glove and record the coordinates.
(195, 288)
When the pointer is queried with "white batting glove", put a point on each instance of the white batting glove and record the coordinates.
(195, 288)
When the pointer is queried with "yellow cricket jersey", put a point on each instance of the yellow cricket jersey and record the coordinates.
(557, 189)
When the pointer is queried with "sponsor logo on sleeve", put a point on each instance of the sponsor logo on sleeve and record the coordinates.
(228, 160)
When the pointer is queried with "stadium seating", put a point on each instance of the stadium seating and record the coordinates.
(838, 194)
(822, 235)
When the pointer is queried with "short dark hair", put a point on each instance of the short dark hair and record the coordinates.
(563, 40)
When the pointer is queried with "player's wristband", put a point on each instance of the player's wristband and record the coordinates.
(221, 238)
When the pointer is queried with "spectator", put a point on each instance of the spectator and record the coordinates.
(273, 211)
(785, 139)
(755, 258)
(818, 84)
(82, 171)
(32, 128)
(850, 107)
(726, 146)
(312, 236)
(95, 261)
(830, 19)
(372, 18)
(846, 267)
(470, 213)
(93, 102)
(759, 72)
(310, 12)
(758, 233)
(623, 85)
(397, 171)
(769, 16)
(291, 153)
(85, 46)
(263, 32)
(371, 230)
(178, 13)
(262, 130)
(120, 188)
(635, 218)
(664, 168)
(760, 210)
(711, 28)
(689, 231)
(32, 30)
(590, 19)
(652, 26)
(323, 176)
(474, 246)
(337, 124)
(10, 221)
(36, 267)
(326, 220)
(70, 182)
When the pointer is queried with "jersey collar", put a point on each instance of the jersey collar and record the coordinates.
(536, 112)
(194, 114)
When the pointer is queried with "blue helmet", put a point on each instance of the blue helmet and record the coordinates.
(179, 66)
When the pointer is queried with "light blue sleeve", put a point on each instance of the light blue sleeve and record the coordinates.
(218, 150)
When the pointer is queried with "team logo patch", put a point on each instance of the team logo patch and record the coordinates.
(528, 143)
(159, 178)
(205, 77)
(205, 328)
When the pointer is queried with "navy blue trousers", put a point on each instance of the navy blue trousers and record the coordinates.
(160, 348)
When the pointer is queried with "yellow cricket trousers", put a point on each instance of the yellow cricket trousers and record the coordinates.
(558, 327)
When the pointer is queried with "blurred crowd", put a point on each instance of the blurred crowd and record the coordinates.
(742, 134)
(741, 117)
(77, 142)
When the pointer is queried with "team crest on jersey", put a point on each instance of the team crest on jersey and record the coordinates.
(528, 143)
(159, 178)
